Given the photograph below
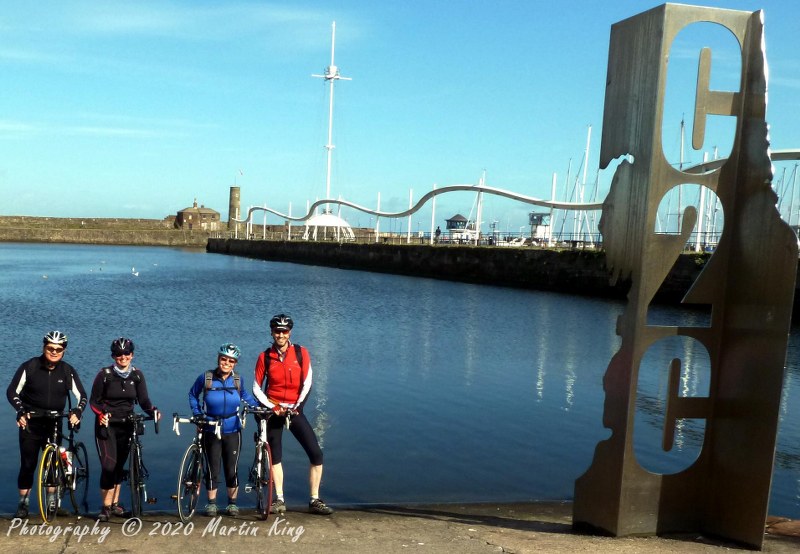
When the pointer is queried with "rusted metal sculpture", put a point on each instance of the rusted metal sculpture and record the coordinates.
(748, 282)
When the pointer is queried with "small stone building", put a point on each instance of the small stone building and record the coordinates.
(199, 219)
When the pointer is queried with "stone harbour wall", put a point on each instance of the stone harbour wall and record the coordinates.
(134, 232)
(569, 271)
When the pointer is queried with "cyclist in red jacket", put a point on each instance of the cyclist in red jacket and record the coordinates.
(282, 383)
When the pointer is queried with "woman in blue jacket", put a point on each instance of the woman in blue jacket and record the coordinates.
(218, 394)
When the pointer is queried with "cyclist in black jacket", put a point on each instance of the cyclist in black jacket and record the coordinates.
(42, 383)
(115, 391)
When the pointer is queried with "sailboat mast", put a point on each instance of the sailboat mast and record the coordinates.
(480, 209)
(680, 187)
(700, 242)
(583, 184)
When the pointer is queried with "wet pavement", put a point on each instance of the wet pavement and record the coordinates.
(465, 529)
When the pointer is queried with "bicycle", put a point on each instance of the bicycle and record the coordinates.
(61, 469)
(261, 470)
(193, 466)
(137, 472)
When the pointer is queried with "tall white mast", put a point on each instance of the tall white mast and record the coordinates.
(680, 168)
(331, 75)
(582, 214)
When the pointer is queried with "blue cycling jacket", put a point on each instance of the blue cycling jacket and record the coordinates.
(221, 402)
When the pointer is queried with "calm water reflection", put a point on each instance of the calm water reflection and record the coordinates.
(423, 390)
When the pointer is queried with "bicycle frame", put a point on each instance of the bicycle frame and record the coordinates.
(261, 479)
(137, 472)
(58, 475)
(193, 468)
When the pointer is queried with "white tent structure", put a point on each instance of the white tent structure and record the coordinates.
(327, 222)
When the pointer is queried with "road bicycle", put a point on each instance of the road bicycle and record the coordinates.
(137, 472)
(193, 466)
(261, 470)
(61, 469)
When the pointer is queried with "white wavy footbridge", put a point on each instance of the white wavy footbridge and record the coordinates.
(421, 202)
(776, 155)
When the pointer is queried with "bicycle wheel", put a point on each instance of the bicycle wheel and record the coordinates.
(264, 490)
(135, 482)
(191, 473)
(51, 476)
(79, 481)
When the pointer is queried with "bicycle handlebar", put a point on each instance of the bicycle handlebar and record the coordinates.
(199, 420)
(259, 410)
(45, 413)
(269, 412)
(52, 414)
(136, 418)
(263, 410)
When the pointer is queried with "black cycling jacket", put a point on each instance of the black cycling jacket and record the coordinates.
(36, 387)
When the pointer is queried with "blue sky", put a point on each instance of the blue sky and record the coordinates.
(133, 109)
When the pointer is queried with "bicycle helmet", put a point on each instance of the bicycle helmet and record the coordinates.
(55, 337)
(281, 322)
(121, 346)
(229, 350)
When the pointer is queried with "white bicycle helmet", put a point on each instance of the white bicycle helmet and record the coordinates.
(55, 337)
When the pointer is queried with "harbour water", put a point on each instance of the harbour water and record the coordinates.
(424, 390)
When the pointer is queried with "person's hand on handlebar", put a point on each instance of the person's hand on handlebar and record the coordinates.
(282, 411)
(22, 419)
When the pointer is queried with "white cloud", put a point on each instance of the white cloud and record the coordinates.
(187, 20)
(27, 56)
(141, 129)
(16, 129)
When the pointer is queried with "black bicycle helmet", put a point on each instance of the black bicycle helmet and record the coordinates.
(121, 346)
(281, 322)
(55, 337)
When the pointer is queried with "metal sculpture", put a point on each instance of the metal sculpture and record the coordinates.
(748, 283)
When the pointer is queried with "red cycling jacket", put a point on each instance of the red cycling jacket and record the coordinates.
(284, 381)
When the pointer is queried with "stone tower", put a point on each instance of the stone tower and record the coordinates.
(233, 208)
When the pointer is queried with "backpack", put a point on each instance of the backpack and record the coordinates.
(210, 378)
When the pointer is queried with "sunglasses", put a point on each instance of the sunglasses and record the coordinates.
(226, 360)
(54, 349)
(281, 331)
(121, 354)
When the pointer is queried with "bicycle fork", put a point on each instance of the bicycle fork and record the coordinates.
(143, 476)
(255, 473)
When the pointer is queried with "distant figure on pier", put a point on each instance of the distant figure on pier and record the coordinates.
(438, 233)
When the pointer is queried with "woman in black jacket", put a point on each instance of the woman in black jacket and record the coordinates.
(115, 391)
